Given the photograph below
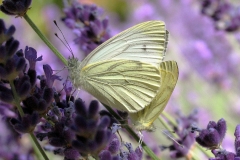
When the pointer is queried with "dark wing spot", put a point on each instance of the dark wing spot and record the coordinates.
(144, 47)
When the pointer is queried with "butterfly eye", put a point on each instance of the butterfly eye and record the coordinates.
(72, 62)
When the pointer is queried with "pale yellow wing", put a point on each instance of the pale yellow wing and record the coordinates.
(143, 119)
(145, 42)
(123, 84)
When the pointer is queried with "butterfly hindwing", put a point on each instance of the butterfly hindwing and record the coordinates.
(169, 74)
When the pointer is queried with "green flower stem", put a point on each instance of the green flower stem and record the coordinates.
(45, 40)
(167, 127)
(17, 100)
(169, 118)
(205, 151)
(49, 121)
(38, 155)
(130, 131)
(39, 146)
(17, 103)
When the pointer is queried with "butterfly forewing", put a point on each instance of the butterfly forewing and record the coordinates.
(145, 42)
(124, 84)
(169, 74)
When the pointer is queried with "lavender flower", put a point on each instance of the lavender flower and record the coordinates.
(112, 150)
(5, 34)
(86, 23)
(92, 134)
(186, 139)
(26, 124)
(212, 136)
(226, 155)
(225, 15)
(15, 7)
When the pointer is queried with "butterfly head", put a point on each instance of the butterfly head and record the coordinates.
(74, 71)
(72, 63)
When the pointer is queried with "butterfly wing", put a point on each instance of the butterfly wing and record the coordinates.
(124, 84)
(143, 119)
(124, 72)
(145, 42)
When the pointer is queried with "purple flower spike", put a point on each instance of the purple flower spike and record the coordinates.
(237, 140)
(68, 87)
(6, 94)
(223, 155)
(105, 154)
(71, 153)
(26, 124)
(212, 136)
(114, 145)
(50, 77)
(93, 110)
(31, 56)
(85, 21)
(225, 15)
(60, 136)
(15, 7)
(80, 107)
(23, 86)
(5, 34)
(92, 132)
(181, 147)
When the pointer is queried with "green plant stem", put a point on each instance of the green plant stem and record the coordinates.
(169, 118)
(49, 121)
(39, 146)
(17, 103)
(134, 135)
(167, 127)
(45, 40)
(17, 100)
(38, 155)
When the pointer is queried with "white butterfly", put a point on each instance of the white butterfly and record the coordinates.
(124, 72)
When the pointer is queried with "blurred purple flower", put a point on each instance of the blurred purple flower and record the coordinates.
(212, 136)
(223, 13)
(5, 34)
(86, 23)
(186, 139)
(92, 133)
(31, 56)
(26, 124)
(222, 154)
(50, 77)
(15, 7)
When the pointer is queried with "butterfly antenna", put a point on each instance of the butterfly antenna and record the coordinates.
(66, 43)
